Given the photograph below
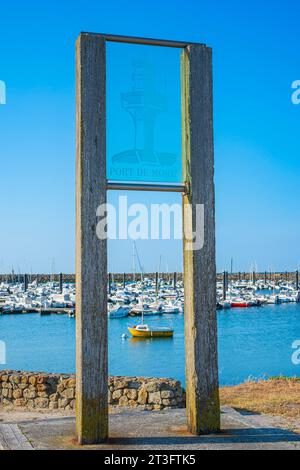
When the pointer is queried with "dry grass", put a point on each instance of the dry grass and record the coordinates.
(277, 396)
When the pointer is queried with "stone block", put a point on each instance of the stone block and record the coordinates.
(71, 383)
(41, 402)
(17, 393)
(63, 402)
(131, 393)
(123, 401)
(117, 394)
(154, 398)
(53, 405)
(20, 403)
(142, 396)
(32, 380)
(167, 394)
(152, 387)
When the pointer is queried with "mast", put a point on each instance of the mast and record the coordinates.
(133, 261)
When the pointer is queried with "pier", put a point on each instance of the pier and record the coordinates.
(40, 311)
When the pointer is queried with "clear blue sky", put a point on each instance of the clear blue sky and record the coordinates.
(256, 59)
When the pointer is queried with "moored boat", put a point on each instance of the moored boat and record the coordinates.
(119, 312)
(239, 304)
(146, 310)
(145, 331)
(170, 309)
(244, 303)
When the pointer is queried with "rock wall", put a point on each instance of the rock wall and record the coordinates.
(55, 391)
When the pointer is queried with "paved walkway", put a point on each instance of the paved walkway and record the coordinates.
(137, 430)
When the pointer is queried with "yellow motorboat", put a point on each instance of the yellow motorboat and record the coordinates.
(144, 331)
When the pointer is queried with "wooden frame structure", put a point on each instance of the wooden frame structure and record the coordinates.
(203, 408)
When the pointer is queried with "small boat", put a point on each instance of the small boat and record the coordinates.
(170, 309)
(119, 312)
(239, 303)
(146, 310)
(273, 299)
(245, 303)
(144, 331)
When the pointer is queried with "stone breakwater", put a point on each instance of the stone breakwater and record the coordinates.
(58, 392)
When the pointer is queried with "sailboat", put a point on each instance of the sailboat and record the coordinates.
(146, 331)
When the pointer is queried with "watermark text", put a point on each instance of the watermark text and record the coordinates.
(154, 222)
(296, 92)
(296, 353)
(2, 92)
(2, 353)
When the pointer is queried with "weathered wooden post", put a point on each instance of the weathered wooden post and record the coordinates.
(91, 253)
(202, 385)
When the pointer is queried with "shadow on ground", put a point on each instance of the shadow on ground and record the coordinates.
(164, 430)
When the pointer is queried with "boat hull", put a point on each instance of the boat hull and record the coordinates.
(150, 334)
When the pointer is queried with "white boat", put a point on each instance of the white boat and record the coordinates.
(119, 312)
(146, 310)
(273, 299)
(169, 308)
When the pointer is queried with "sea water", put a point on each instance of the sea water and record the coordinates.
(253, 343)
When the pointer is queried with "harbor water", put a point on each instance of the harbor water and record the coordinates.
(253, 343)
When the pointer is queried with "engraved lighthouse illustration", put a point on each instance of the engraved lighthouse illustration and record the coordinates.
(144, 104)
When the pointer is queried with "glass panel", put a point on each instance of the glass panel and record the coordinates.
(143, 113)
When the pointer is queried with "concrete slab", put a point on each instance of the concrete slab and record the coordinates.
(165, 430)
(12, 438)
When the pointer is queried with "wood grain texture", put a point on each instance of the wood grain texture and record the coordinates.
(91, 253)
(203, 407)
